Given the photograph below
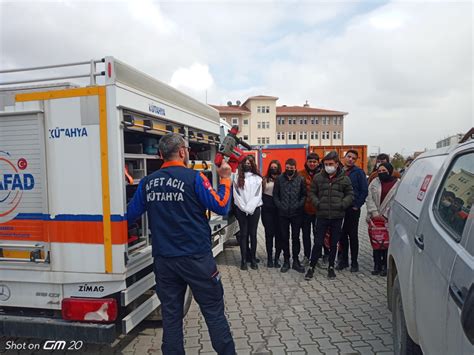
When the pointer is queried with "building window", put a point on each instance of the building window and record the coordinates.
(312, 120)
(268, 140)
(305, 135)
(246, 122)
(305, 121)
(334, 120)
(301, 135)
(289, 120)
(268, 125)
(316, 135)
(301, 121)
(283, 120)
(278, 121)
(340, 120)
(316, 121)
(246, 138)
(235, 121)
(278, 136)
(283, 135)
(268, 109)
(334, 135)
(259, 125)
(312, 135)
(339, 135)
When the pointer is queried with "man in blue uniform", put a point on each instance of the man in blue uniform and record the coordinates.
(176, 199)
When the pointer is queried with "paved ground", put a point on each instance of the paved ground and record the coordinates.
(274, 313)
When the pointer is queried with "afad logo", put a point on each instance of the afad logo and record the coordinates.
(13, 183)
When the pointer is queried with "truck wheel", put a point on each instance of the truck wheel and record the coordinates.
(402, 342)
(188, 297)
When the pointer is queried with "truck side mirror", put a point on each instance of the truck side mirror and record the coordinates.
(467, 315)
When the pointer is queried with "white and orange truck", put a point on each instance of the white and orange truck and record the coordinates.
(71, 157)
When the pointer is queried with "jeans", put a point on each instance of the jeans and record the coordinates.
(350, 237)
(322, 226)
(200, 272)
(309, 222)
(271, 223)
(295, 223)
(380, 259)
(248, 230)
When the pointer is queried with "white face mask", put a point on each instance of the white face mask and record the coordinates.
(330, 169)
(446, 203)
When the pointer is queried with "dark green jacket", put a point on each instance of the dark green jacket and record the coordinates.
(331, 198)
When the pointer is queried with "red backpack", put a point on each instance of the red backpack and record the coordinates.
(378, 234)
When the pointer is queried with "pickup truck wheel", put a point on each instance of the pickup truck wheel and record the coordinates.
(402, 342)
(188, 297)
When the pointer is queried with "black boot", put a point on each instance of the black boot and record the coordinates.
(341, 265)
(309, 274)
(269, 260)
(253, 264)
(243, 265)
(286, 266)
(376, 270)
(383, 270)
(297, 266)
(276, 263)
(331, 273)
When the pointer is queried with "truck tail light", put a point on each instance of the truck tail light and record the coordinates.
(102, 310)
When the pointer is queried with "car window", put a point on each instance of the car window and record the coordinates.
(470, 241)
(456, 195)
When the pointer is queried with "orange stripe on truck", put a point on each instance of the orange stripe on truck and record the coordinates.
(83, 232)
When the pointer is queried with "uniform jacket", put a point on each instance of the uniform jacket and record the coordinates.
(331, 198)
(248, 198)
(374, 207)
(176, 199)
(289, 195)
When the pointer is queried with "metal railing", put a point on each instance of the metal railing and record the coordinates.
(92, 75)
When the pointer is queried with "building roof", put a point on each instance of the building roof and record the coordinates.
(234, 109)
(302, 110)
(260, 97)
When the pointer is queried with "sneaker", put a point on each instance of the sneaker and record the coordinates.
(355, 268)
(243, 266)
(376, 270)
(270, 263)
(276, 263)
(341, 265)
(305, 262)
(297, 266)
(285, 267)
(331, 273)
(309, 274)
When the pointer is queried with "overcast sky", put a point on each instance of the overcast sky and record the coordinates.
(402, 69)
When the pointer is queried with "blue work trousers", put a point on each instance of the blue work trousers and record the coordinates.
(200, 273)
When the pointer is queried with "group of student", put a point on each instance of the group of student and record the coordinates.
(325, 198)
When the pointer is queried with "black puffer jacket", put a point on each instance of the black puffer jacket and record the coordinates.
(289, 195)
(331, 197)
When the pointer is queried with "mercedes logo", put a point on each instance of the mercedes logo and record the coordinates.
(4, 293)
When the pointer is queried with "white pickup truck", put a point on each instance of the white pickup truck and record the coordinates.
(430, 283)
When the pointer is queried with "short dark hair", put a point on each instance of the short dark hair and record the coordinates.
(291, 162)
(332, 155)
(170, 144)
(353, 152)
(312, 156)
(383, 156)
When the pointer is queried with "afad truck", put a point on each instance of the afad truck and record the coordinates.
(71, 157)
